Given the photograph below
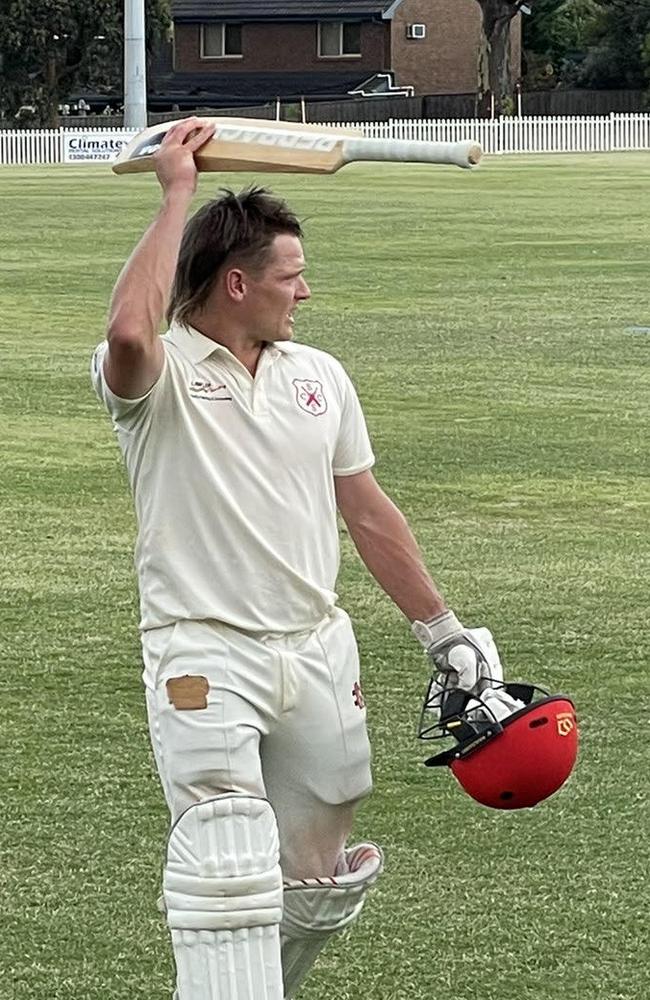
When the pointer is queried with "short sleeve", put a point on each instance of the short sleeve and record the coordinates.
(353, 452)
(121, 410)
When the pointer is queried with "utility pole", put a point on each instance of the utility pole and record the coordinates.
(135, 73)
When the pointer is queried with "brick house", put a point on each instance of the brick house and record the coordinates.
(245, 51)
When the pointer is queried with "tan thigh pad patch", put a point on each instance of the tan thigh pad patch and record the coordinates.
(188, 693)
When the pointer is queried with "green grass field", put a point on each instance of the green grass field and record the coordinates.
(486, 319)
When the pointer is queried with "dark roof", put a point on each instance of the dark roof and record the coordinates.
(277, 10)
(222, 90)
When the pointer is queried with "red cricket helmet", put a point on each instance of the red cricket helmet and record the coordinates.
(507, 763)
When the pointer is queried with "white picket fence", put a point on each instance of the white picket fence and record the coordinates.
(580, 134)
(577, 134)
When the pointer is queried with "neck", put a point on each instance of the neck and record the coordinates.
(248, 357)
(244, 346)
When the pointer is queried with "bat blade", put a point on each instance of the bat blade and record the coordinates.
(247, 144)
(240, 144)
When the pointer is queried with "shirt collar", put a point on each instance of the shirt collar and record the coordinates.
(197, 347)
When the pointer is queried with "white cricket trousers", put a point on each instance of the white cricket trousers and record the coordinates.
(280, 716)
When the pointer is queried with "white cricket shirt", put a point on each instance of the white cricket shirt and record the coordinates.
(233, 481)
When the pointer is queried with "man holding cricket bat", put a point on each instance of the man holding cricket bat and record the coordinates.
(240, 447)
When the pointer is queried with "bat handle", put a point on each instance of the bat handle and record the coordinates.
(466, 153)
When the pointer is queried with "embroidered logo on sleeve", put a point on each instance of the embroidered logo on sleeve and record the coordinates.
(357, 695)
(201, 389)
(310, 396)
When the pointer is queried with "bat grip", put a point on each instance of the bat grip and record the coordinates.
(466, 153)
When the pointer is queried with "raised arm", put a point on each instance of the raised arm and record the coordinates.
(135, 355)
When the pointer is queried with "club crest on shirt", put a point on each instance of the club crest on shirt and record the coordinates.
(310, 396)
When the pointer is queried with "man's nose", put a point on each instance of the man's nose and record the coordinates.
(303, 291)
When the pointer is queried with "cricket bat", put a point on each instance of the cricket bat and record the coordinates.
(288, 147)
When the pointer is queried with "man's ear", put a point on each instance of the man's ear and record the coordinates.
(235, 284)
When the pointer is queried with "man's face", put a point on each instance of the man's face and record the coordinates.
(274, 294)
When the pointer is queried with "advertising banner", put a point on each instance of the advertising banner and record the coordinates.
(94, 147)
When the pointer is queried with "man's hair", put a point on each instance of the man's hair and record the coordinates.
(238, 227)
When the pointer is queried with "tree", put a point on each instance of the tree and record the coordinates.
(618, 55)
(558, 38)
(50, 48)
(560, 27)
(495, 82)
(590, 43)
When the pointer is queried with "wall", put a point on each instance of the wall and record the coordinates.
(445, 62)
(278, 47)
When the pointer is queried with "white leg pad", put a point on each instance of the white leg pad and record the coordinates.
(223, 894)
(316, 908)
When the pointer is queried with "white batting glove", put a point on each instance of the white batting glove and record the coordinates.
(465, 658)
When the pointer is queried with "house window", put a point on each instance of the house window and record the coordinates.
(221, 41)
(339, 38)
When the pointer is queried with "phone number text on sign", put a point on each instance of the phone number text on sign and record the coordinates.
(104, 147)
